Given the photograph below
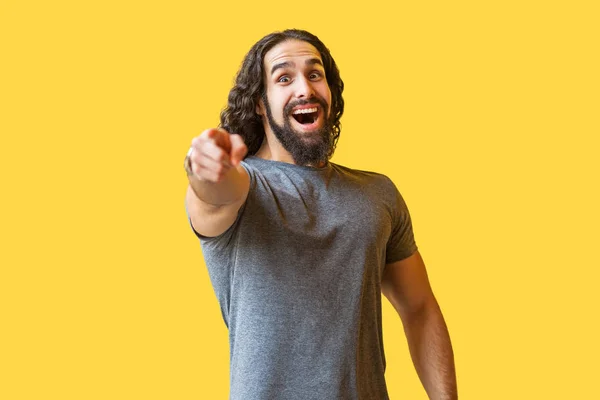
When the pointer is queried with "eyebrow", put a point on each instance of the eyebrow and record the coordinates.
(288, 64)
(314, 61)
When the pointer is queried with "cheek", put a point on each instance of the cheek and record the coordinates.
(278, 101)
(326, 94)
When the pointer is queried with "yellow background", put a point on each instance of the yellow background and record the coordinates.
(485, 115)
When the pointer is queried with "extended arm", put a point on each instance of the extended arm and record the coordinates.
(406, 285)
(218, 183)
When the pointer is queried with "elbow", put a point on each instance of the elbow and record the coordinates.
(419, 310)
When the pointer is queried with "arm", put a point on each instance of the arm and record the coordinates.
(218, 184)
(406, 286)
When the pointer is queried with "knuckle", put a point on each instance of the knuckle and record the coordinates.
(206, 135)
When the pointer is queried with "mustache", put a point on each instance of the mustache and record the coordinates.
(288, 108)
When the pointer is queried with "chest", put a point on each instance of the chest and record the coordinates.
(319, 216)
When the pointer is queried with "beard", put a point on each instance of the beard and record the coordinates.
(306, 148)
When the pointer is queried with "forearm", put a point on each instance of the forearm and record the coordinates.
(431, 351)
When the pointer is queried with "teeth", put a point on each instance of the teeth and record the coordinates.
(305, 111)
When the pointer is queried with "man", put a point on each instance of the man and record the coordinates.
(299, 249)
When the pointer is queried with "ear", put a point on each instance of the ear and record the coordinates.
(260, 107)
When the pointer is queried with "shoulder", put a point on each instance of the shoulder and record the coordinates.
(377, 187)
(368, 179)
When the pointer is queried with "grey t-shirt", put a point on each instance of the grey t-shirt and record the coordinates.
(298, 279)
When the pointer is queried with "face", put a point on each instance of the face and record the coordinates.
(297, 101)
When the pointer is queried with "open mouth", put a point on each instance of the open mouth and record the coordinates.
(306, 116)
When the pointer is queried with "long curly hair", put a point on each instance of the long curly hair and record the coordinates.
(240, 114)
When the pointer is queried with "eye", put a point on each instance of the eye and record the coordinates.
(283, 79)
(315, 75)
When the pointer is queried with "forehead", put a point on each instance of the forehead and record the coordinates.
(290, 50)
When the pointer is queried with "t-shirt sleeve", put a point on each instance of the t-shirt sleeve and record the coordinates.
(401, 243)
(226, 237)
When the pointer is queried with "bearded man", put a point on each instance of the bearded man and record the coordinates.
(300, 249)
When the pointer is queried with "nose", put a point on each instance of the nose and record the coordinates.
(304, 88)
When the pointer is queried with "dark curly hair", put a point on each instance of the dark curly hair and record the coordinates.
(240, 114)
